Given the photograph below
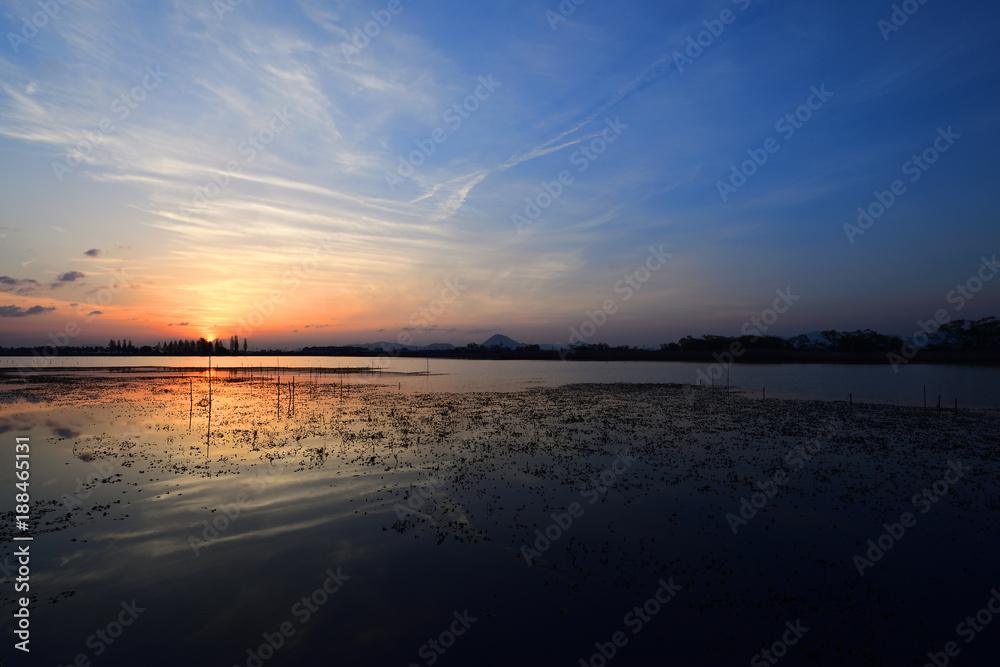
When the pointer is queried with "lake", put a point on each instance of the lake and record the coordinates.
(970, 385)
(481, 515)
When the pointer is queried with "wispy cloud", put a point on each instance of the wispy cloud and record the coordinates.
(217, 210)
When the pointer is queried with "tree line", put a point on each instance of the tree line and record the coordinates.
(179, 347)
(982, 334)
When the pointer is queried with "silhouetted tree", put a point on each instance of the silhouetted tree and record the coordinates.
(801, 342)
(831, 338)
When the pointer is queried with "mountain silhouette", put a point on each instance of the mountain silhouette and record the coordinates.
(500, 339)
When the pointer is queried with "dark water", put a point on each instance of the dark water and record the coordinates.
(370, 523)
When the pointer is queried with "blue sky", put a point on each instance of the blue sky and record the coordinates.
(307, 243)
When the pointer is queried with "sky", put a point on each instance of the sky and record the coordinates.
(328, 173)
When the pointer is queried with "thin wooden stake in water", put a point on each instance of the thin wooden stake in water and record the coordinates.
(208, 430)
(925, 398)
(208, 433)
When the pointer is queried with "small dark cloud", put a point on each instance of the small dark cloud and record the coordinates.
(95, 312)
(17, 311)
(70, 276)
(66, 433)
(93, 252)
(183, 324)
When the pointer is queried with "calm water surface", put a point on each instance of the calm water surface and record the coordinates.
(970, 385)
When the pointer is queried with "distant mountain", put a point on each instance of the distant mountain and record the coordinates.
(500, 339)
